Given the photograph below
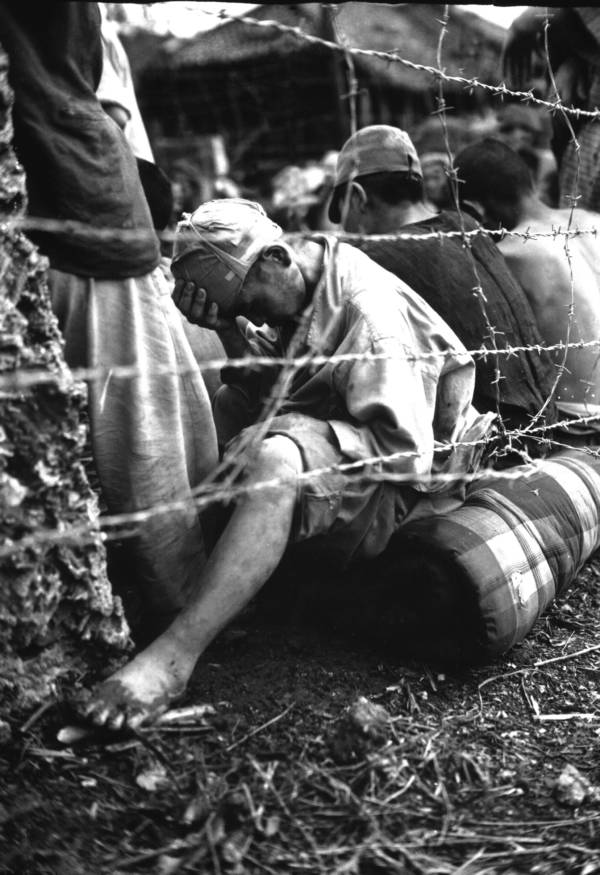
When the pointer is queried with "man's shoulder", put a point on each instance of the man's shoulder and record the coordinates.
(357, 266)
(367, 289)
(446, 220)
(533, 240)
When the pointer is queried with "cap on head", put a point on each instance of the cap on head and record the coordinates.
(374, 149)
(221, 240)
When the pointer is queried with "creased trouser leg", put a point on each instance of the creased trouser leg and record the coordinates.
(153, 436)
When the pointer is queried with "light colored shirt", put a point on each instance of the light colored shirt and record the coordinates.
(116, 86)
(411, 389)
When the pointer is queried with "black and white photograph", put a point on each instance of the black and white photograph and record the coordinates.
(299, 438)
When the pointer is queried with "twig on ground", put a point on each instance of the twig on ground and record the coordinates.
(566, 656)
(260, 728)
(36, 715)
(146, 856)
(573, 715)
(539, 664)
(54, 754)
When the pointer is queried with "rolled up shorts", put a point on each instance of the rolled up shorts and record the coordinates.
(355, 509)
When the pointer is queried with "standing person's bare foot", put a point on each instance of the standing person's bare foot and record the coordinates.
(143, 689)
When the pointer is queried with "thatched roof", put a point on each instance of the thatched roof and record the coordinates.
(234, 41)
(471, 46)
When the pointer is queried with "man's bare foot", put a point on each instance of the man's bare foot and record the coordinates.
(142, 690)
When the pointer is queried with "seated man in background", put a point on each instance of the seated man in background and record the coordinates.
(388, 393)
(379, 190)
(437, 189)
(560, 276)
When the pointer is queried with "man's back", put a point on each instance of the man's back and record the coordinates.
(557, 273)
(443, 272)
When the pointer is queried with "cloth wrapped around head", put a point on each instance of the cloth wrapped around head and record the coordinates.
(217, 244)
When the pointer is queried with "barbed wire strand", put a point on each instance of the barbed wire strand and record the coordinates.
(35, 224)
(25, 379)
(501, 90)
(562, 365)
(210, 492)
(466, 241)
(206, 495)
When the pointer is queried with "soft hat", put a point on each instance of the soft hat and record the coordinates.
(374, 149)
(225, 238)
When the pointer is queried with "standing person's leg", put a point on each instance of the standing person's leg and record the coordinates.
(153, 435)
(245, 556)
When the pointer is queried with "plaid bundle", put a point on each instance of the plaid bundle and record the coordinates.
(516, 544)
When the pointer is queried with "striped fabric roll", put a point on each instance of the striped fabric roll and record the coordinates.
(515, 544)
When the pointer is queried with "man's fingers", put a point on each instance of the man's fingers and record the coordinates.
(190, 300)
(211, 318)
(185, 296)
(197, 308)
(177, 291)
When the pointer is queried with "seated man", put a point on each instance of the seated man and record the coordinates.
(379, 405)
(379, 190)
(560, 276)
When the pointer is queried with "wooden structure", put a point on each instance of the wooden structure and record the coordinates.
(279, 99)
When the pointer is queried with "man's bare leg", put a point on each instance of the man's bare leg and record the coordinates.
(244, 557)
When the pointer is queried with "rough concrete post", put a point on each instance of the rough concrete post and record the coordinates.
(53, 596)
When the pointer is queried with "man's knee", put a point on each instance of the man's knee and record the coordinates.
(277, 455)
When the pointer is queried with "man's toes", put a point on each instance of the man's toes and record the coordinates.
(136, 718)
(97, 713)
(116, 720)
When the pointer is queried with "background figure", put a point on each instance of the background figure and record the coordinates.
(369, 200)
(520, 127)
(116, 94)
(528, 131)
(152, 435)
(574, 55)
(497, 184)
(436, 184)
(300, 195)
(291, 198)
(116, 91)
(186, 183)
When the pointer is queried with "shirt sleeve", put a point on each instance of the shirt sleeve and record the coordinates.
(389, 409)
(403, 399)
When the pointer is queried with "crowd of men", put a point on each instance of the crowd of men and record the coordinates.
(402, 365)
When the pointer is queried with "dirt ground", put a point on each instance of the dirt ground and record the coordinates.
(458, 774)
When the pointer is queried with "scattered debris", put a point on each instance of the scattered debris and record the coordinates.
(5, 733)
(363, 727)
(259, 785)
(72, 734)
(185, 715)
(153, 778)
(178, 717)
(573, 789)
